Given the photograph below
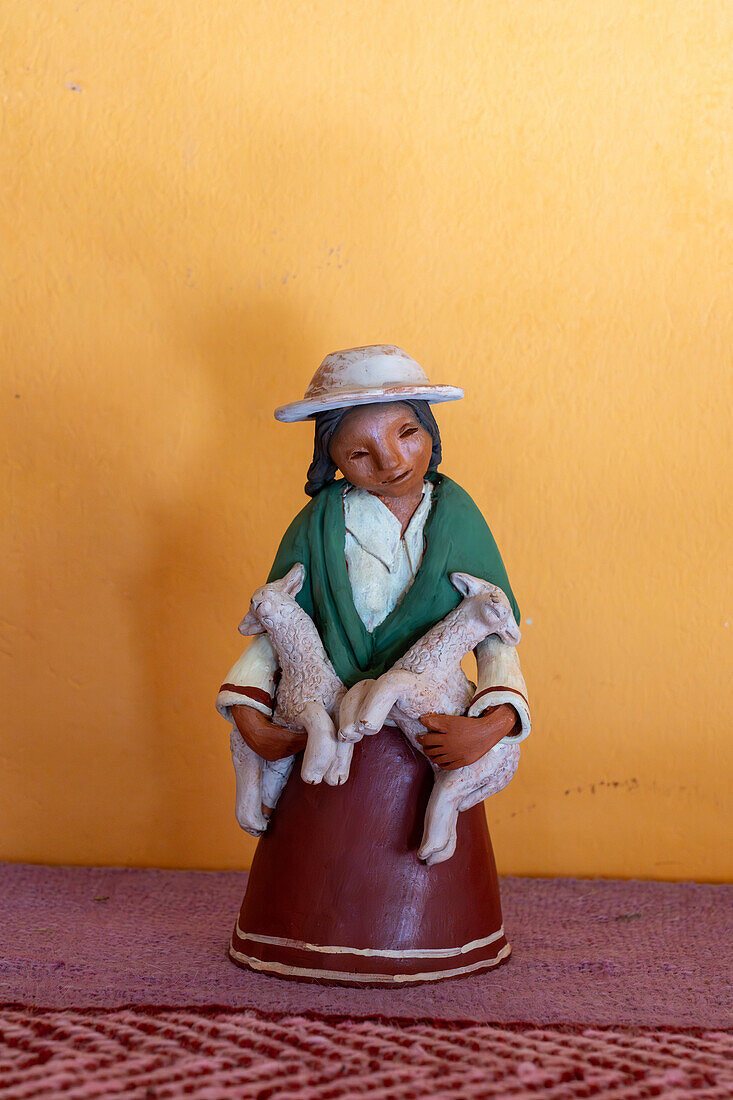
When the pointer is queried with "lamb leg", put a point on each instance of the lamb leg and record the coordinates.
(248, 797)
(338, 772)
(275, 774)
(382, 696)
(320, 749)
(441, 820)
(351, 704)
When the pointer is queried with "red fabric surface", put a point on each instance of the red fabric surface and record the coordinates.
(216, 1055)
(596, 965)
(588, 953)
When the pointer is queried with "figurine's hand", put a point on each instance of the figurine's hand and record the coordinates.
(453, 741)
(269, 741)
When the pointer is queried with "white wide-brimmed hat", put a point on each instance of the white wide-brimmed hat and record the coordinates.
(365, 376)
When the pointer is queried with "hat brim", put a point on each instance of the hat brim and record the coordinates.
(309, 407)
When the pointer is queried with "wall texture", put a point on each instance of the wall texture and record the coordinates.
(199, 202)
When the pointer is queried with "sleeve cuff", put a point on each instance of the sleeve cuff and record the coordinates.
(493, 697)
(232, 695)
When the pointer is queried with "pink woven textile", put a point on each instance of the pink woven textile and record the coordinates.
(586, 953)
(217, 1055)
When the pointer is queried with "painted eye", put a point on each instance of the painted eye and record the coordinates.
(357, 454)
(409, 430)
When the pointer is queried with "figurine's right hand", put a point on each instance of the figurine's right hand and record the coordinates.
(269, 741)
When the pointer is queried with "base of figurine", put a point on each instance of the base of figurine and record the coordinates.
(337, 893)
(346, 977)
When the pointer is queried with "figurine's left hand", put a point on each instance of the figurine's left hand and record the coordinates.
(453, 741)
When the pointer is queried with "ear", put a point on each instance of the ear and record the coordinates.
(250, 624)
(466, 584)
(292, 582)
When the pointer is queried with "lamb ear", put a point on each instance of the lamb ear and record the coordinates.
(466, 584)
(292, 582)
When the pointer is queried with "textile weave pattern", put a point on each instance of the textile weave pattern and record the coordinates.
(214, 1054)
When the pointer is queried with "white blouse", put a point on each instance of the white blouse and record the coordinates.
(382, 562)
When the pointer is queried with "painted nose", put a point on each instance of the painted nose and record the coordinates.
(389, 460)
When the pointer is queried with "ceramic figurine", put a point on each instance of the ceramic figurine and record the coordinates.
(375, 864)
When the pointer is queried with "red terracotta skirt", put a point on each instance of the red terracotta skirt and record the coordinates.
(337, 893)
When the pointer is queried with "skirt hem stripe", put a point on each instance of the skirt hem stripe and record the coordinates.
(287, 970)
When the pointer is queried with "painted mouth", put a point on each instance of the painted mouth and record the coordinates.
(397, 478)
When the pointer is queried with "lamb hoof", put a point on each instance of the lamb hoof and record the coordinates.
(336, 775)
(252, 829)
(431, 856)
(349, 734)
(250, 819)
(438, 857)
(313, 773)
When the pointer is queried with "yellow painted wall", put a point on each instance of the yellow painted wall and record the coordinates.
(202, 199)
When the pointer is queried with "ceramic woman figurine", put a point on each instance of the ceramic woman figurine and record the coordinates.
(338, 891)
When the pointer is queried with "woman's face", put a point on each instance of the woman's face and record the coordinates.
(382, 448)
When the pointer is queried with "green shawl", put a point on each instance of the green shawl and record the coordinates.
(457, 538)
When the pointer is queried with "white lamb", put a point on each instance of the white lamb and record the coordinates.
(308, 695)
(429, 679)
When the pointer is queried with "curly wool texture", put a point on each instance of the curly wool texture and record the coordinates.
(306, 672)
